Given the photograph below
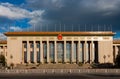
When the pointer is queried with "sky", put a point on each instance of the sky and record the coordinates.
(60, 15)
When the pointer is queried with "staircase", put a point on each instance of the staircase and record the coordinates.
(58, 66)
(52, 66)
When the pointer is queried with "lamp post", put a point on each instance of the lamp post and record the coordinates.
(104, 58)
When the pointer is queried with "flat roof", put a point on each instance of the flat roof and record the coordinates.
(116, 41)
(3, 42)
(99, 33)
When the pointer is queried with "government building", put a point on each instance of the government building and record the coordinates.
(61, 47)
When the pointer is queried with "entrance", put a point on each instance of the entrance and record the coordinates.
(60, 51)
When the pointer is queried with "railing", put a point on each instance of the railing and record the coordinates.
(59, 71)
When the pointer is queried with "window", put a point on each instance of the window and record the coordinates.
(25, 57)
(31, 45)
(32, 57)
(38, 45)
(38, 56)
(25, 45)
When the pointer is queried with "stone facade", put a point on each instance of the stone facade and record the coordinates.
(59, 47)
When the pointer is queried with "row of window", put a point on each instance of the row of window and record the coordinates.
(32, 57)
(32, 45)
(60, 53)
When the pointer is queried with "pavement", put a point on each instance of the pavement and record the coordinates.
(61, 76)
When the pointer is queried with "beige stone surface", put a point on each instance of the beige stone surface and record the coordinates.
(15, 46)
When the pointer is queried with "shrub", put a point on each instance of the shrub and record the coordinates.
(2, 60)
(80, 63)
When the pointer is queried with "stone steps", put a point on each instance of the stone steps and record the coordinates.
(52, 66)
(57, 66)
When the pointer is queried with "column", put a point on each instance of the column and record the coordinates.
(91, 52)
(116, 51)
(65, 51)
(28, 52)
(55, 54)
(23, 52)
(85, 46)
(41, 51)
(72, 53)
(48, 55)
(35, 53)
(78, 52)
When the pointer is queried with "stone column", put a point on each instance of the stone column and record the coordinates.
(91, 52)
(116, 51)
(28, 52)
(85, 46)
(64, 51)
(72, 53)
(78, 52)
(48, 52)
(22, 52)
(35, 53)
(41, 51)
(55, 54)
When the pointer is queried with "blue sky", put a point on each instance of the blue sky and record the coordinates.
(49, 15)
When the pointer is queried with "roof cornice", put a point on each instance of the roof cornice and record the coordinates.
(99, 33)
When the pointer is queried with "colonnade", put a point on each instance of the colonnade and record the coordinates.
(59, 51)
(116, 51)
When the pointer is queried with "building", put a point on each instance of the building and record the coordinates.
(3, 48)
(116, 48)
(59, 47)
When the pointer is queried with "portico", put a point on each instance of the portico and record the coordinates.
(59, 47)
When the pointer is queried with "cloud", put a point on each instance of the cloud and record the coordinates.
(2, 36)
(68, 12)
(117, 36)
(15, 28)
(108, 7)
(77, 12)
(13, 12)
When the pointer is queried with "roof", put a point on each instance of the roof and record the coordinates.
(117, 41)
(3, 42)
(99, 33)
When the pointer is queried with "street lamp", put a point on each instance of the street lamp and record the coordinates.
(104, 58)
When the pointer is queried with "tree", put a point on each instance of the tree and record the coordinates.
(117, 61)
(2, 60)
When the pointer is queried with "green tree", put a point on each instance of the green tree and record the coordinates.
(2, 60)
(117, 61)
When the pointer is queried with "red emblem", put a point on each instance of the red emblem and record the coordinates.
(59, 37)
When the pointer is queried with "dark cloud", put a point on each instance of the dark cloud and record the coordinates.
(70, 15)
(76, 12)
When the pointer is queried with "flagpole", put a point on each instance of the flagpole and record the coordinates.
(79, 27)
(60, 27)
(55, 27)
(64, 27)
(111, 27)
(47, 27)
(85, 27)
(41, 27)
(98, 27)
(72, 27)
(34, 27)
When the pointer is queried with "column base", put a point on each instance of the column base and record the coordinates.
(64, 62)
(41, 62)
(55, 62)
(47, 62)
